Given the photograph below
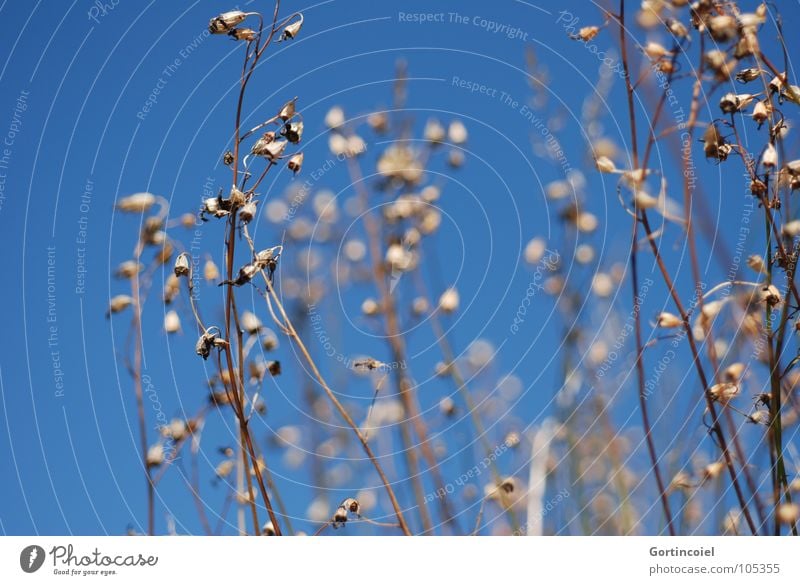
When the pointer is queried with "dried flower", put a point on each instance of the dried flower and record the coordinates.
(756, 263)
(447, 406)
(334, 119)
(128, 269)
(605, 165)
(434, 132)
(788, 513)
(759, 417)
(748, 75)
(370, 308)
(770, 295)
(248, 211)
(770, 157)
(293, 131)
(155, 455)
(732, 102)
(250, 322)
(457, 132)
(242, 34)
(585, 34)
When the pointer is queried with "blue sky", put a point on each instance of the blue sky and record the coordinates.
(74, 87)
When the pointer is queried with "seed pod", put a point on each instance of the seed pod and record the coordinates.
(295, 163)
(713, 470)
(777, 83)
(210, 271)
(447, 406)
(656, 51)
(759, 417)
(225, 22)
(339, 517)
(242, 34)
(245, 275)
(586, 34)
(274, 368)
(237, 198)
(788, 513)
(643, 200)
(677, 28)
(172, 322)
(204, 344)
(722, 28)
(379, 122)
(136, 203)
(733, 373)
(182, 265)
(288, 110)
(770, 295)
(119, 303)
(272, 150)
(756, 263)
(292, 29)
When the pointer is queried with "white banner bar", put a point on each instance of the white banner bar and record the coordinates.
(352, 560)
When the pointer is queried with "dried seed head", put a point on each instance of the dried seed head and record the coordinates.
(586, 34)
(339, 517)
(759, 417)
(119, 303)
(447, 406)
(293, 131)
(643, 200)
(713, 470)
(732, 102)
(352, 506)
(248, 211)
(668, 320)
(224, 468)
(677, 28)
(756, 263)
(714, 144)
(250, 323)
(605, 165)
(370, 308)
(172, 322)
(788, 513)
(270, 150)
(292, 29)
(182, 265)
(449, 301)
(226, 21)
(722, 28)
(420, 306)
(136, 203)
(379, 122)
(457, 132)
(512, 440)
(724, 391)
(210, 271)
(128, 269)
(733, 373)
(434, 132)
(268, 529)
(155, 455)
(794, 485)
(534, 250)
(770, 157)
(204, 344)
(770, 295)
(681, 481)
(335, 119)
(295, 163)
(777, 83)
(274, 368)
(288, 109)
(656, 51)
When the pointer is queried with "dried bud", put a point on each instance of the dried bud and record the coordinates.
(292, 29)
(668, 321)
(119, 303)
(182, 265)
(136, 203)
(295, 163)
(225, 22)
(449, 301)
